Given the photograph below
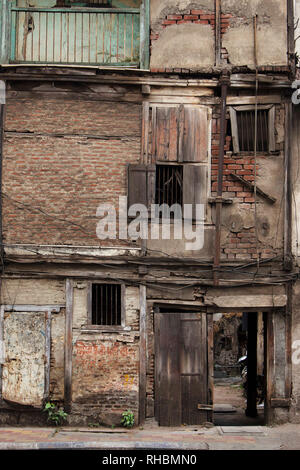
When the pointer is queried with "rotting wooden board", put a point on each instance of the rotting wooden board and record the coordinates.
(181, 369)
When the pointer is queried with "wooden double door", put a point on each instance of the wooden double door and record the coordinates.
(183, 368)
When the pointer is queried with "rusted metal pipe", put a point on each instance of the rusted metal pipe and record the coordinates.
(218, 42)
(224, 87)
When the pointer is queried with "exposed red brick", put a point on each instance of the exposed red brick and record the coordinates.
(190, 17)
(174, 17)
(197, 12)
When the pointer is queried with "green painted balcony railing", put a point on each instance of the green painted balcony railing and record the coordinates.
(94, 36)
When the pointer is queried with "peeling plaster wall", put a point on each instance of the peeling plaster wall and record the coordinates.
(23, 373)
(184, 45)
(32, 292)
(160, 8)
(24, 333)
(271, 32)
(181, 45)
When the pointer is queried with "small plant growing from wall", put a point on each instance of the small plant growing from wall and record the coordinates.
(127, 419)
(56, 415)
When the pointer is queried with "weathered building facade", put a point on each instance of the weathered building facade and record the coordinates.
(173, 102)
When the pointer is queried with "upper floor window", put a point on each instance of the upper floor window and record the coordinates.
(168, 188)
(176, 156)
(253, 130)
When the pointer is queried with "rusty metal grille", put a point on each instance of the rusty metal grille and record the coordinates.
(246, 130)
(169, 179)
(106, 304)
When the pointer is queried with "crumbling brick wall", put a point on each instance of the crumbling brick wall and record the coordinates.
(243, 239)
(61, 160)
(192, 16)
(183, 35)
(105, 380)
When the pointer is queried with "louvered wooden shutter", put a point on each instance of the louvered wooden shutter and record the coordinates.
(141, 184)
(179, 134)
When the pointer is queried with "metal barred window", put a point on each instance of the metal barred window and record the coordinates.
(242, 119)
(106, 304)
(246, 130)
(169, 184)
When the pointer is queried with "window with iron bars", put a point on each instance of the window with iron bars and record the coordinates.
(106, 304)
(251, 133)
(169, 184)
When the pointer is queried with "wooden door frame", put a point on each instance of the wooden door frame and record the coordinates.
(210, 366)
(271, 315)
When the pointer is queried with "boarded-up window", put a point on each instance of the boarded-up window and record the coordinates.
(24, 369)
(178, 134)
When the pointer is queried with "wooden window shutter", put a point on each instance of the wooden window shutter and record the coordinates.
(141, 184)
(193, 145)
(165, 133)
(195, 185)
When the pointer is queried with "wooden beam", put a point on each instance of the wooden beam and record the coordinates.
(33, 308)
(280, 402)
(210, 363)
(47, 354)
(143, 355)
(1, 345)
(248, 100)
(252, 366)
(269, 369)
(4, 30)
(291, 34)
(288, 340)
(251, 186)
(288, 198)
(68, 346)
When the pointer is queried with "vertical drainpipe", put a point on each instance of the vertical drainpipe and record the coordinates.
(224, 81)
(218, 43)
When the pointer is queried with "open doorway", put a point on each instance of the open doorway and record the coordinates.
(239, 368)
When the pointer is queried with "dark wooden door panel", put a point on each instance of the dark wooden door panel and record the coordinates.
(193, 367)
(181, 369)
(168, 376)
